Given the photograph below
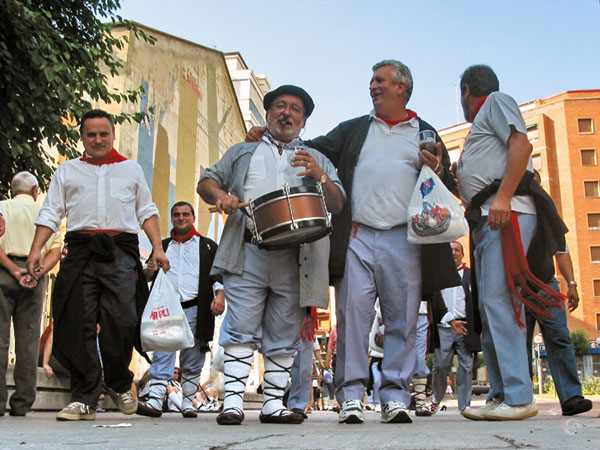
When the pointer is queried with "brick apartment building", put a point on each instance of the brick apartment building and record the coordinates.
(563, 131)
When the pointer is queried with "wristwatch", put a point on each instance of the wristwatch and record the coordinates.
(573, 283)
(323, 178)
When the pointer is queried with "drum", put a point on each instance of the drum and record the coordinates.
(290, 217)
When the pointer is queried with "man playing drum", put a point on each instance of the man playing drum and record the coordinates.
(267, 291)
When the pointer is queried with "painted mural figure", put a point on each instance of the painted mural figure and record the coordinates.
(267, 290)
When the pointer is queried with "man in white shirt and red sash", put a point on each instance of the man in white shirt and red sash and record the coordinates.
(105, 198)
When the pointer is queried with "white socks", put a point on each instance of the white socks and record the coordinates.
(156, 393)
(277, 373)
(236, 368)
(189, 386)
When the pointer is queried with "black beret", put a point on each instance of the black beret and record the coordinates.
(288, 89)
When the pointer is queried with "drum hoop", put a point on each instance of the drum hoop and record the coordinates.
(300, 224)
(320, 234)
(256, 207)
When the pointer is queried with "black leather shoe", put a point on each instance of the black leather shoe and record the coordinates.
(300, 411)
(145, 410)
(17, 413)
(189, 413)
(277, 417)
(576, 405)
(230, 417)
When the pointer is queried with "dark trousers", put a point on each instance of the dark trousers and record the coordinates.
(24, 307)
(108, 299)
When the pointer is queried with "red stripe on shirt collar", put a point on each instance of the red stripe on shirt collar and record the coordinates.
(478, 107)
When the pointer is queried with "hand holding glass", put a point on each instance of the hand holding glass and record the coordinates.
(426, 141)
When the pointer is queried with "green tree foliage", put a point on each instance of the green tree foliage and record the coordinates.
(54, 55)
(581, 342)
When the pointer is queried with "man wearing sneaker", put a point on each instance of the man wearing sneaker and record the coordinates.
(378, 161)
(267, 290)
(105, 198)
(191, 256)
(497, 148)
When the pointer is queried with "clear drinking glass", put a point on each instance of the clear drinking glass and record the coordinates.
(426, 141)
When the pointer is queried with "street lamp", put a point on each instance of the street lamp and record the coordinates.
(538, 340)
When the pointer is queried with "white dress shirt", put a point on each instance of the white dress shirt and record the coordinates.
(184, 259)
(107, 197)
(454, 298)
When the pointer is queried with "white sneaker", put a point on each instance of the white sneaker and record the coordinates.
(395, 412)
(127, 402)
(76, 411)
(508, 412)
(351, 412)
(378, 407)
(480, 413)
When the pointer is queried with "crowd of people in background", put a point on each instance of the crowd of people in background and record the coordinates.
(397, 302)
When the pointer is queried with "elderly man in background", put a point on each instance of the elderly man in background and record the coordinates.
(22, 295)
(264, 288)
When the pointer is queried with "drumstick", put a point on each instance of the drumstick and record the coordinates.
(213, 209)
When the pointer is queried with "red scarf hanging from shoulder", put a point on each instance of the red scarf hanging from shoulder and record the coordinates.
(111, 157)
(309, 326)
(525, 286)
(190, 234)
(391, 122)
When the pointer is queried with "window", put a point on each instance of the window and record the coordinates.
(591, 189)
(596, 288)
(537, 162)
(598, 322)
(585, 126)
(595, 253)
(588, 157)
(593, 221)
(532, 133)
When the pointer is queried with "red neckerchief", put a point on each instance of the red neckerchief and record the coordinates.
(525, 286)
(478, 107)
(111, 157)
(461, 267)
(181, 239)
(391, 122)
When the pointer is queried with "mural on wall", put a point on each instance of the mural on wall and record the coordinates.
(196, 118)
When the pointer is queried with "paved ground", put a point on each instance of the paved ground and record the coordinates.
(445, 430)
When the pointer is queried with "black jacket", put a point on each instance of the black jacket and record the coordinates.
(342, 146)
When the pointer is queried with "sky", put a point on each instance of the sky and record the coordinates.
(538, 48)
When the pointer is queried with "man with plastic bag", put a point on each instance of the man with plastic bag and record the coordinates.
(105, 198)
(191, 257)
(495, 178)
(265, 288)
(378, 161)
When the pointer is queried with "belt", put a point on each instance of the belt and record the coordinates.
(189, 303)
(18, 258)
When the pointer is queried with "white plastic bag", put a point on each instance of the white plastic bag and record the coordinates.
(434, 215)
(164, 326)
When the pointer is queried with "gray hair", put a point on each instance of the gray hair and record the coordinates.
(23, 182)
(400, 74)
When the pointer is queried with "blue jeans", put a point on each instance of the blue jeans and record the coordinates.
(421, 369)
(301, 376)
(559, 348)
(442, 363)
(502, 341)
